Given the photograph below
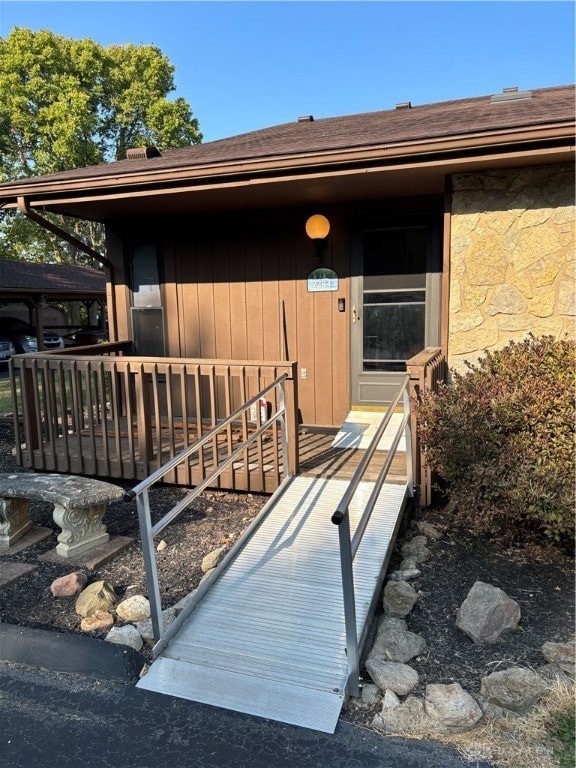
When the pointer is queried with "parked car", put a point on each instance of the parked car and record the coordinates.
(6, 349)
(23, 336)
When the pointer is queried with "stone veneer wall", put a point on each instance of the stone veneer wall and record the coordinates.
(512, 258)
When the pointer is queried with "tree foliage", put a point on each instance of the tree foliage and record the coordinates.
(68, 103)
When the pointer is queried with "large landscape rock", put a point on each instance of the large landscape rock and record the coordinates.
(127, 635)
(396, 643)
(392, 675)
(98, 596)
(561, 655)
(486, 613)
(515, 689)
(69, 585)
(407, 718)
(134, 609)
(416, 549)
(451, 707)
(213, 558)
(399, 598)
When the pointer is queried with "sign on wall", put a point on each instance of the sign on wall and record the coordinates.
(323, 279)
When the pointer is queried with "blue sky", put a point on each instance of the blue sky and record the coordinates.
(248, 65)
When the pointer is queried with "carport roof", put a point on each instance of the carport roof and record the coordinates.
(20, 280)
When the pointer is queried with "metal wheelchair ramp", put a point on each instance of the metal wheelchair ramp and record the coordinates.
(268, 637)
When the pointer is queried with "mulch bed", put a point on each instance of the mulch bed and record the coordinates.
(539, 577)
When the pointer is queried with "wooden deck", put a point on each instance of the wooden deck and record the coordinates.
(107, 454)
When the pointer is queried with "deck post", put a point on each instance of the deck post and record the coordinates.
(143, 414)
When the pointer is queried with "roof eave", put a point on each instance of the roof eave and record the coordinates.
(472, 143)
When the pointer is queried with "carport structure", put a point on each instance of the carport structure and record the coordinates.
(37, 285)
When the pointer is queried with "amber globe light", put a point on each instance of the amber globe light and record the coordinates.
(317, 227)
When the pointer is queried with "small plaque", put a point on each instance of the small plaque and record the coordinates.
(323, 279)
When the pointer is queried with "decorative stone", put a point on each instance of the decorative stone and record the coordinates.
(370, 695)
(127, 635)
(69, 585)
(399, 678)
(486, 613)
(213, 558)
(397, 644)
(451, 707)
(97, 621)
(515, 689)
(428, 530)
(404, 575)
(390, 701)
(161, 546)
(98, 596)
(407, 718)
(145, 627)
(416, 549)
(399, 598)
(134, 609)
(560, 654)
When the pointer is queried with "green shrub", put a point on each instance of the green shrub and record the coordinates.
(502, 437)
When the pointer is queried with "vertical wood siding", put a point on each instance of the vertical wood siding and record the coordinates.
(237, 284)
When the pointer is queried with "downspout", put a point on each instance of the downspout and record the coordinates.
(24, 207)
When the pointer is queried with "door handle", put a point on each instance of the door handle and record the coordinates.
(355, 316)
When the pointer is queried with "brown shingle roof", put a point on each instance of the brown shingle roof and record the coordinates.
(52, 279)
(444, 119)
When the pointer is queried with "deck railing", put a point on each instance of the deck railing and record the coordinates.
(349, 544)
(426, 370)
(97, 413)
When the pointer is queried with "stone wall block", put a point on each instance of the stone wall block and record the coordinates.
(506, 299)
(544, 272)
(543, 302)
(533, 217)
(566, 298)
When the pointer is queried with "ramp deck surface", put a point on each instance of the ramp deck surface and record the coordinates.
(268, 638)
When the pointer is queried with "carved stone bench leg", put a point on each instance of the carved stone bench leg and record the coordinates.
(82, 528)
(14, 521)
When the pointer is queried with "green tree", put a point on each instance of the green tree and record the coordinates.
(72, 103)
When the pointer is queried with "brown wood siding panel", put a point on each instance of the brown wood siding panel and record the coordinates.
(270, 299)
(305, 330)
(189, 315)
(254, 314)
(172, 276)
(222, 318)
(238, 303)
(206, 331)
(323, 355)
(287, 277)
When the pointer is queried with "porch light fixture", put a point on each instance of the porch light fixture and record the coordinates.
(317, 229)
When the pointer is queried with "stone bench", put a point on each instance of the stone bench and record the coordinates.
(79, 506)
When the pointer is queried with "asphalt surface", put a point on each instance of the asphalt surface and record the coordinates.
(71, 702)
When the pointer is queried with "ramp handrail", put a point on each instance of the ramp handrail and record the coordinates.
(141, 493)
(349, 545)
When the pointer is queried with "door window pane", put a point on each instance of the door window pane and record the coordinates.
(392, 334)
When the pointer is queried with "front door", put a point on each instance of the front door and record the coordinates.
(396, 279)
